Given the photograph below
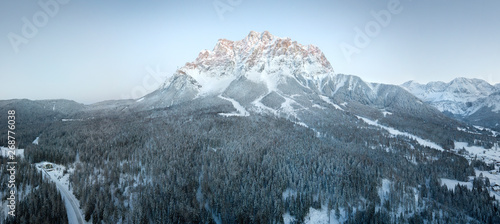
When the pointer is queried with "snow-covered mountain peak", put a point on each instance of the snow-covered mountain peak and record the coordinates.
(265, 74)
(255, 38)
(461, 96)
(471, 86)
(459, 90)
(273, 58)
(262, 49)
(412, 84)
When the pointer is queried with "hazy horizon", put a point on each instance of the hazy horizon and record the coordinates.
(99, 101)
(93, 51)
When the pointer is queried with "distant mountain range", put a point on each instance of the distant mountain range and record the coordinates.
(262, 130)
(471, 100)
(264, 74)
(269, 75)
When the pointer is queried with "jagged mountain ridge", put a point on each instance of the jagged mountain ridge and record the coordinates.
(471, 100)
(260, 58)
(455, 97)
(194, 146)
(264, 74)
(260, 66)
(267, 75)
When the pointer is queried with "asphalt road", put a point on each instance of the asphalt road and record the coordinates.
(70, 198)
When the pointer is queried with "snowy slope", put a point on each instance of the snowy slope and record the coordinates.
(267, 74)
(395, 132)
(472, 100)
(461, 96)
(260, 74)
(5, 152)
(260, 57)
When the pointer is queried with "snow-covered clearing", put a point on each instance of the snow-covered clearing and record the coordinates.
(383, 191)
(288, 219)
(316, 216)
(241, 110)
(35, 142)
(327, 100)
(66, 120)
(324, 216)
(487, 155)
(5, 152)
(385, 113)
(318, 106)
(450, 184)
(494, 133)
(393, 131)
(472, 152)
(494, 178)
(259, 107)
(289, 193)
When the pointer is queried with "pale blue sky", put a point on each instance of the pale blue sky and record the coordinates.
(92, 50)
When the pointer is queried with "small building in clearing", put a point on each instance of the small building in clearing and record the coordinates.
(48, 166)
(495, 187)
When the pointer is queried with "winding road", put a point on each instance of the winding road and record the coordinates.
(71, 204)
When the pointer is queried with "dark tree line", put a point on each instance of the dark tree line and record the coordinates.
(190, 165)
(37, 199)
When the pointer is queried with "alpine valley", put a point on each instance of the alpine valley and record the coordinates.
(262, 130)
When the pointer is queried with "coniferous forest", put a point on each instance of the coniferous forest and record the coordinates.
(40, 201)
(251, 112)
(190, 165)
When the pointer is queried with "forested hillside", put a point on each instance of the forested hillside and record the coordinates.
(188, 164)
(259, 130)
(38, 200)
